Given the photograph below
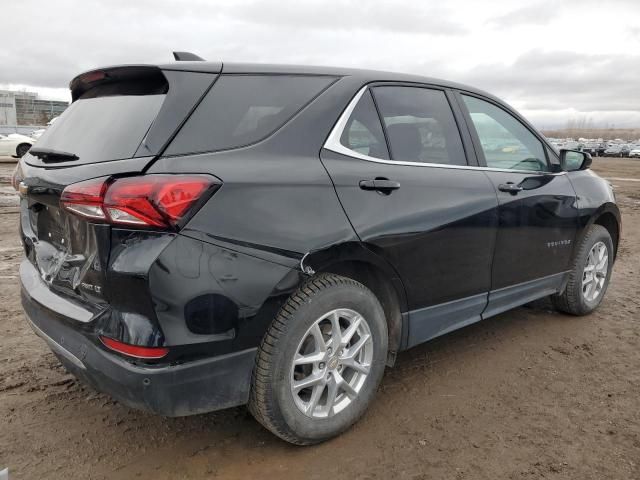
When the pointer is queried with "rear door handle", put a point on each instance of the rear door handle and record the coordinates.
(510, 187)
(382, 185)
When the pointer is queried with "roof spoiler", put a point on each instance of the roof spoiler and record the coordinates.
(187, 57)
(109, 75)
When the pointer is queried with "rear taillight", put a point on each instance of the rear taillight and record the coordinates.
(146, 201)
(134, 351)
(85, 198)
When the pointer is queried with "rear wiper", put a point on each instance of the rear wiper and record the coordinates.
(49, 155)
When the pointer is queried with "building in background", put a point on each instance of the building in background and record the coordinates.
(25, 108)
(7, 108)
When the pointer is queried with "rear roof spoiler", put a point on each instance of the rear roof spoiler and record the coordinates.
(93, 78)
(87, 80)
(187, 57)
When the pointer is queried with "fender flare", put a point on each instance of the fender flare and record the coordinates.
(607, 207)
(344, 255)
(323, 259)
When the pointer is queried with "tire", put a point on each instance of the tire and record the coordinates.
(22, 149)
(577, 298)
(273, 400)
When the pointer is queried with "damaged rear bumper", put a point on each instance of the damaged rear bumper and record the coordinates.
(189, 388)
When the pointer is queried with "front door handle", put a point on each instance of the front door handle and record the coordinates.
(380, 184)
(510, 187)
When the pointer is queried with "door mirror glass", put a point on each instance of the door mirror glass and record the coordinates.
(572, 160)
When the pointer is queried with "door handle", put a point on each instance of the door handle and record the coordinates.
(382, 185)
(510, 187)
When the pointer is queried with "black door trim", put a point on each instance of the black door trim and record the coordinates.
(513, 296)
(431, 322)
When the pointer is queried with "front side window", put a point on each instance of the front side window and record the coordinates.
(363, 132)
(420, 125)
(506, 143)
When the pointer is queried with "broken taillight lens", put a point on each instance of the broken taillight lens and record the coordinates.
(160, 201)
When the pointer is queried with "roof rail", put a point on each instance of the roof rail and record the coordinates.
(187, 57)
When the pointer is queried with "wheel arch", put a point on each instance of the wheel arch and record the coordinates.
(20, 145)
(355, 261)
(611, 223)
(607, 216)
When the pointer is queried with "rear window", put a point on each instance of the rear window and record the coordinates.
(103, 128)
(244, 109)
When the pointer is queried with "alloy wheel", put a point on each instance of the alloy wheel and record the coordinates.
(331, 363)
(595, 271)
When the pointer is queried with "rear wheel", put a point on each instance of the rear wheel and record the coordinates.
(589, 277)
(321, 361)
(22, 149)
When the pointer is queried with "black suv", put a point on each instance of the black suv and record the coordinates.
(199, 236)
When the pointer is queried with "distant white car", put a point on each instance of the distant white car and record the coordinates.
(634, 153)
(15, 145)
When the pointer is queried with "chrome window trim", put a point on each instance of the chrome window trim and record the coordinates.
(333, 144)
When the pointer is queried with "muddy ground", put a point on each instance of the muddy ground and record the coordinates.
(525, 395)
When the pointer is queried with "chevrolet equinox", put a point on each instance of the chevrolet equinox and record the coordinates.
(199, 236)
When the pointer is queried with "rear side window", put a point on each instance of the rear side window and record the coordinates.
(420, 125)
(243, 109)
(363, 132)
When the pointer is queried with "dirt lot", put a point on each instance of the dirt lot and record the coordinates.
(528, 394)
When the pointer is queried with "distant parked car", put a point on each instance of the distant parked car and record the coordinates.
(15, 145)
(590, 148)
(614, 151)
(635, 152)
(625, 150)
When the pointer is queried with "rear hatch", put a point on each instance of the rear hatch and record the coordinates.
(121, 118)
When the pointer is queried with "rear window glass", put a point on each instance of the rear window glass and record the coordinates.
(243, 109)
(103, 128)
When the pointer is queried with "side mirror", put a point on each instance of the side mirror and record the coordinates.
(572, 160)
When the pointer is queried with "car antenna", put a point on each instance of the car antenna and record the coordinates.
(187, 57)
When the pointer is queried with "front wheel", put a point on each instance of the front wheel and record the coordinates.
(22, 149)
(321, 361)
(590, 274)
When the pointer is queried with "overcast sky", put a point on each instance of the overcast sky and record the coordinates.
(553, 60)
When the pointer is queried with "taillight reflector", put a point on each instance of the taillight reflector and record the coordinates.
(149, 201)
(135, 351)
